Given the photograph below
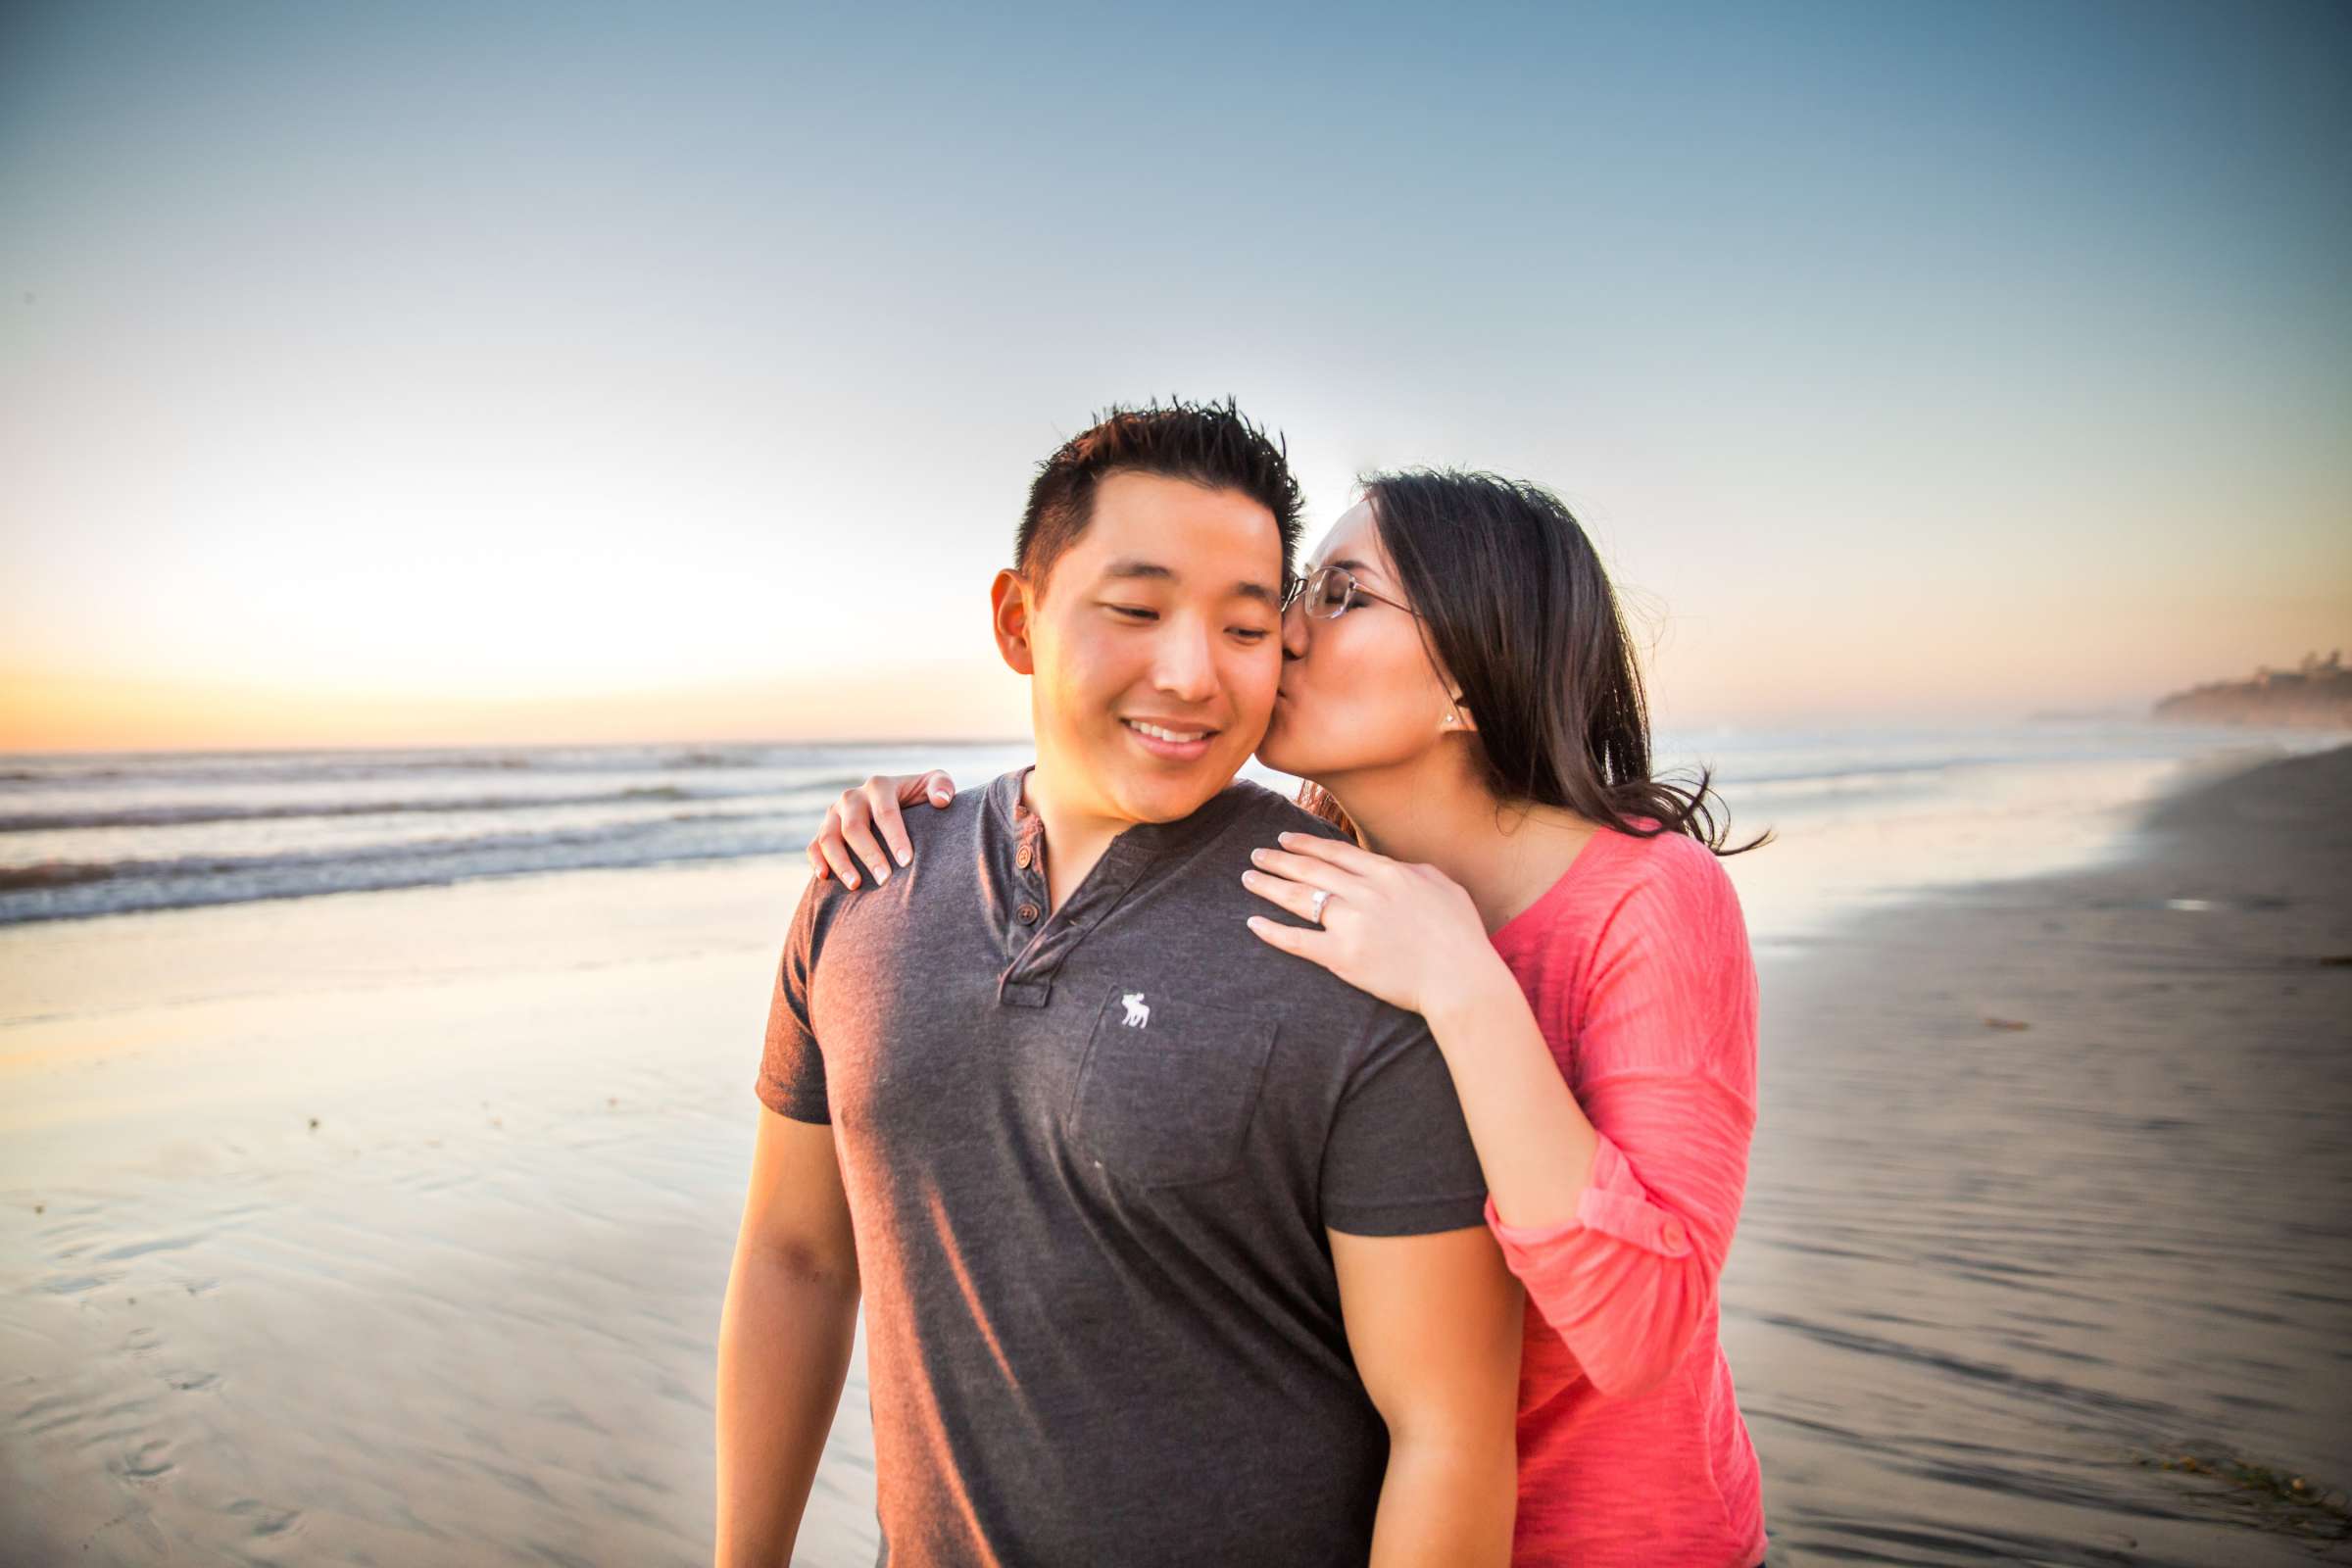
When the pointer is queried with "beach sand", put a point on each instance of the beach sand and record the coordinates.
(1991, 1279)
(469, 1316)
(2051, 1192)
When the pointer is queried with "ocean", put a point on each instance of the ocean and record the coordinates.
(96, 834)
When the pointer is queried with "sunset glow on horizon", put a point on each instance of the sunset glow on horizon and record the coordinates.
(452, 377)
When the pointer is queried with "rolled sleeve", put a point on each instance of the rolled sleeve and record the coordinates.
(1614, 1203)
(1630, 1282)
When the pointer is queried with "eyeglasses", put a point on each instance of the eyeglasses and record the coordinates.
(1330, 592)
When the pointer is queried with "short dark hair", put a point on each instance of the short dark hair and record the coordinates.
(1207, 444)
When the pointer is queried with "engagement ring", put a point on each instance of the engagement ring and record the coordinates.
(1322, 897)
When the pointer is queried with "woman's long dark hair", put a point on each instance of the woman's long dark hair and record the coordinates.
(1515, 603)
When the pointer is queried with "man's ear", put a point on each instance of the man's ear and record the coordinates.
(1009, 609)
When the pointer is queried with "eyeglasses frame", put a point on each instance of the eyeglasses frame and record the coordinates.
(1299, 587)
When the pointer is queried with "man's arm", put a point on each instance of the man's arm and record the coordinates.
(1433, 1322)
(784, 1340)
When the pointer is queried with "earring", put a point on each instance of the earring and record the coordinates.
(1449, 718)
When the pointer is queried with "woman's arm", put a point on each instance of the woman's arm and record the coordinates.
(1535, 1142)
(851, 822)
(1410, 936)
(1615, 1212)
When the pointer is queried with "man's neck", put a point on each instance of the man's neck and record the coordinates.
(1075, 835)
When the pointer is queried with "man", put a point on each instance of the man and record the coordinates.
(1172, 1246)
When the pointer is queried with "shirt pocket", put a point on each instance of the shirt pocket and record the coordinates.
(1166, 1088)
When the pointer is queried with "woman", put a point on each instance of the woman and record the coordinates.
(1458, 688)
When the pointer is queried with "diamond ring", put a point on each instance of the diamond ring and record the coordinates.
(1322, 897)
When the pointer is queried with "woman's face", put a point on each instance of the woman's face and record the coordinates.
(1360, 692)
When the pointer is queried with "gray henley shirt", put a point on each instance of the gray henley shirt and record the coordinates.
(1090, 1155)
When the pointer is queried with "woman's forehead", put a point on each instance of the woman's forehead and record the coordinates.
(1354, 537)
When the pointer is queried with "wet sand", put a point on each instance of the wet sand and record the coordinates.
(468, 1317)
(1991, 1279)
(2052, 1193)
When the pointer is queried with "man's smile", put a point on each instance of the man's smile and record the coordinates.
(1178, 742)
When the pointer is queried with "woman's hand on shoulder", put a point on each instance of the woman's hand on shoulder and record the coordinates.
(1407, 933)
(866, 818)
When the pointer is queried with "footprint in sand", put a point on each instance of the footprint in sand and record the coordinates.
(150, 1460)
(267, 1519)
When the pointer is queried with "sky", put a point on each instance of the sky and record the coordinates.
(489, 373)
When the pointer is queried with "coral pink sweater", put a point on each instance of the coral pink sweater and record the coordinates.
(1631, 1445)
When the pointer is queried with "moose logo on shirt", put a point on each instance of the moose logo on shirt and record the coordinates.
(1138, 1015)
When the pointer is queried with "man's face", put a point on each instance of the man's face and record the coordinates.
(1157, 647)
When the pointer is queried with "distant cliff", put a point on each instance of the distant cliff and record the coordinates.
(2316, 694)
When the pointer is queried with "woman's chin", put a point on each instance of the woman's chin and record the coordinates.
(1284, 755)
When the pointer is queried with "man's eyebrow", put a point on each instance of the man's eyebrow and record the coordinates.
(1130, 567)
(1258, 590)
(1127, 566)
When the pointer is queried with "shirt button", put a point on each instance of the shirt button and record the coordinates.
(1027, 914)
(1673, 1233)
(1023, 859)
